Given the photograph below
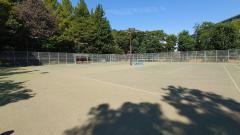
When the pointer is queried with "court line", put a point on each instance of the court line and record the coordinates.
(237, 67)
(168, 72)
(179, 69)
(123, 86)
(230, 76)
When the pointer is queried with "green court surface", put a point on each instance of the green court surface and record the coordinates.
(116, 99)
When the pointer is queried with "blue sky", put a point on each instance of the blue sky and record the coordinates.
(172, 16)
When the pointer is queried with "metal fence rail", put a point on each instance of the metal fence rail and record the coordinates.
(17, 58)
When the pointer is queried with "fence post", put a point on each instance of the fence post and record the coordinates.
(228, 55)
(49, 58)
(58, 57)
(39, 58)
(205, 58)
(66, 59)
(196, 57)
(14, 59)
(27, 57)
(216, 56)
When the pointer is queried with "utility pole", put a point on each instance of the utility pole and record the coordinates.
(130, 46)
(131, 31)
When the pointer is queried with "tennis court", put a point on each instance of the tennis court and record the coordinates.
(116, 99)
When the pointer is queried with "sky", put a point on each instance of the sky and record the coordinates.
(172, 16)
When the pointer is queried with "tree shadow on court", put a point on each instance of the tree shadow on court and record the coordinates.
(208, 113)
(11, 91)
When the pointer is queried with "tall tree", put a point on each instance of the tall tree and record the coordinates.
(154, 41)
(203, 36)
(225, 36)
(81, 10)
(185, 41)
(51, 5)
(5, 7)
(67, 8)
(103, 42)
(121, 39)
(39, 24)
(171, 42)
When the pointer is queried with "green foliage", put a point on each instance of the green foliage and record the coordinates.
(58, 26)
(171, 42)
(67, 8)
(10, 28)
(203, 36)
(51, 5)
(225, 36)
(121, 39)
(210, 36)
(185, 41)
(154, 41)
(81, 10)
(5, 7)
(103, 41)
(41, 24)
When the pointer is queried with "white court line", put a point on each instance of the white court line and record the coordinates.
(230, 76)
(123, 86)
(179, 69)
(168, 72)
(237, 67)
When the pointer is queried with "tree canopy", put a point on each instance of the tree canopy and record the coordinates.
(60, 26)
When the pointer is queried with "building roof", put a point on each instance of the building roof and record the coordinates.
(232, 19)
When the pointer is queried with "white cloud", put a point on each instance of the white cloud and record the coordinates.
(134, 11)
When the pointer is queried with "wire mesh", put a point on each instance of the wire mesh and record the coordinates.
(18, 58)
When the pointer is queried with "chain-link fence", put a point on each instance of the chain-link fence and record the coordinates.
(16, 58)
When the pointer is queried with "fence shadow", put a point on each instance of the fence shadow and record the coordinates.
(17, 59)
(11, 91)
(210, 114)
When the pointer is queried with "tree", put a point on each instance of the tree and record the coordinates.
(82, 10)
(51, 5)
(103, 42)
(154, 41)
(171, 42)
(225, 36)
(39, 24)
(185, 41)
(67, 8)
(121, 40)
(203, 35)
(10, 28)
(5, 7)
